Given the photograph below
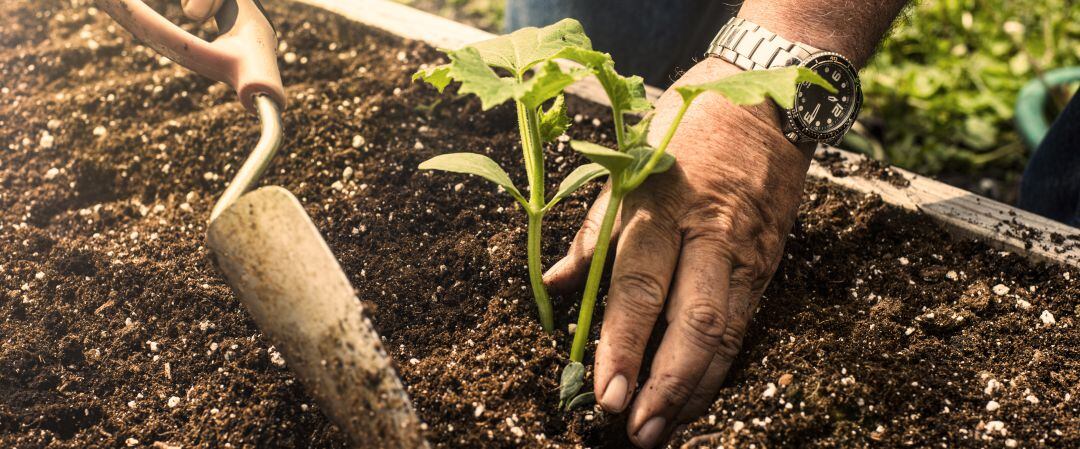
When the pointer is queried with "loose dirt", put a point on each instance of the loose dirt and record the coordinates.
(117, 330)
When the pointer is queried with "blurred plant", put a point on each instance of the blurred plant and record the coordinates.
(941, 91)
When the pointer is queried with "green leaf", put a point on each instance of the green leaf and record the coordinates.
(517, 52)
(642, 154)
(476, 77)
(638, 133)
(585, 56)
(752, 87)
(474, 164)
(526, 47)
(438, 76)
(575, 180)
(554, 121)
(610, 159)
(582, 400)
(635, 100)
(573, 377)
(627, 94)
(548, 82)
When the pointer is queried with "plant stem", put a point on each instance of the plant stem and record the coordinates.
(536, 159)
(603, 241)
(528, 126)
(526, 142)
(639, 178)
(596, 270)
(620, 130)
(536, 274)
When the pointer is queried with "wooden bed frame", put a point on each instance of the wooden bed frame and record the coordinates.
(962, 212)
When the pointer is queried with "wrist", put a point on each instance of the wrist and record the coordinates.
(711, 69)
(763, 117)
(718, 142)
(851, 29)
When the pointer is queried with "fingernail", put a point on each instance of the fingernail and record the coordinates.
(614, 399)
(649, 434)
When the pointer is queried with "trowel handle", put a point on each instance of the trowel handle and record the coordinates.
(243, 55)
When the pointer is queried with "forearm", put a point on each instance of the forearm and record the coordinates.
(852, 28)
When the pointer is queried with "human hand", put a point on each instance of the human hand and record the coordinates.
(699, 243)
(200, 10)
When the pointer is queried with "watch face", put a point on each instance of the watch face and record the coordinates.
(822, 115)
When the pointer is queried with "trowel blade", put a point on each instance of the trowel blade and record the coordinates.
(285, 274)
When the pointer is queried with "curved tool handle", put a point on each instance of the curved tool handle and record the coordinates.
(243, 56)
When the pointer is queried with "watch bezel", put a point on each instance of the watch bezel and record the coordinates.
(804, 132)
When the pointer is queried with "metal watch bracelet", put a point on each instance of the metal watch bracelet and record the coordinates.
(751, 47)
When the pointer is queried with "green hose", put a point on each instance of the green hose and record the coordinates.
(1030, 119)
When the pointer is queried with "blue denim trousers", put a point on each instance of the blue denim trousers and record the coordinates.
(1051, 183)
(654, 39)
(659, 39)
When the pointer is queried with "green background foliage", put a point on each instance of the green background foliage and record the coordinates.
(941, 91)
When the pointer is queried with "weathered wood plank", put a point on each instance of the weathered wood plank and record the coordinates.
(1001, 225)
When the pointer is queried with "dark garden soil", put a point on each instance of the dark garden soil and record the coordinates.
(117, 330)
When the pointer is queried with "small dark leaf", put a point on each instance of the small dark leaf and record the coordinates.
(582, 400)
(573, 377)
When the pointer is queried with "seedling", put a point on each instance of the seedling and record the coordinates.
(528, 56)
(530, 78)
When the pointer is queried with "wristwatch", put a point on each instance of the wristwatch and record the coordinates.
(818, 115)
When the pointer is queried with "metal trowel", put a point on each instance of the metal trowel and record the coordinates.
(268, 248)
